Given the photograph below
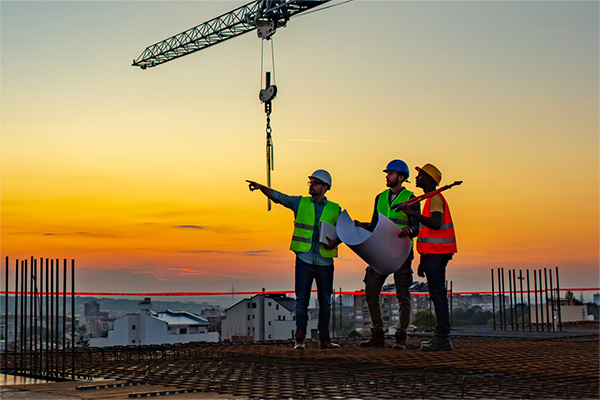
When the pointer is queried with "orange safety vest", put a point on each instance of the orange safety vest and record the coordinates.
(442, 241)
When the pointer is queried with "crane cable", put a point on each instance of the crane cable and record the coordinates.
(268, 109)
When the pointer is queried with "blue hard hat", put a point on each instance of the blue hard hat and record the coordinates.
(398, 166)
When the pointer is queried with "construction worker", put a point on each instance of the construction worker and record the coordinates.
(436, 244)
(314, 261)
(396, 174)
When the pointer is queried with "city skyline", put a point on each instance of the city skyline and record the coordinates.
(140, 175)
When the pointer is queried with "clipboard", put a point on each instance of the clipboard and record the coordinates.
(326, 230)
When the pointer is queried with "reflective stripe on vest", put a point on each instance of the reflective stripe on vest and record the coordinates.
(441, 241)
(383, 206)
(305, 223)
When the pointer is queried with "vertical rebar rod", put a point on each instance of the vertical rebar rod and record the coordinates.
(23, 313)
(552, 302)
(493, 304)
(47, 319)
(535, 297)
(56, 322)
(510, 301)
(528, 301)
(34, 316)
(546, 297)
(558, 297)
(73, 319)
(541, 321)
(522, 300)
(503, 302)
(64, 326)
(26, 342)
(6, 277)
(41, 316)
(29, 357)
(51, 323)
(500, 301)
(514, 294)
(16, 324)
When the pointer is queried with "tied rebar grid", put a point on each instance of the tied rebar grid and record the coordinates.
(478, 368)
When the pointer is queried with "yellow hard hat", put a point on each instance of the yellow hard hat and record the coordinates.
(432, 171)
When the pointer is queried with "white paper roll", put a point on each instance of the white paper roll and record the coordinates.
(382, 249)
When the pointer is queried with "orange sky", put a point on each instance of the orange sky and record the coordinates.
(140, 175)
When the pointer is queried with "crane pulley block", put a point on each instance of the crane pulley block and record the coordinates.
(265, 29)
(267, 94)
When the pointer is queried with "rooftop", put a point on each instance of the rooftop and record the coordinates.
(180, 318)
(485, 364)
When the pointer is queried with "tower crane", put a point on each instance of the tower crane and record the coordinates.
(266, 16)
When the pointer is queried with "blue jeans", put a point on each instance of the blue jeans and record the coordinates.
(323, 276)
(434, 267)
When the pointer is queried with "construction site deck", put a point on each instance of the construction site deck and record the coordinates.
(484, 365)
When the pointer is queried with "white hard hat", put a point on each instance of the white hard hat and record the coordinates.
(322, 175)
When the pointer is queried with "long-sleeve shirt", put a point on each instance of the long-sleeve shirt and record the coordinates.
(413, 224)
(313, 256)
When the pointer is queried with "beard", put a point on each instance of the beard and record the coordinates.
(393, 183)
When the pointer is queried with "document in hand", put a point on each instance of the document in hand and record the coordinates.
(383, 250)
(327, 231)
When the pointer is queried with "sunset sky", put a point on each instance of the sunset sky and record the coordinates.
(139, 175)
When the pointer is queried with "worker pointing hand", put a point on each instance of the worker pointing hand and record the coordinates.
(255, 185)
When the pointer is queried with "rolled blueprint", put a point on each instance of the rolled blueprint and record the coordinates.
(382, 249)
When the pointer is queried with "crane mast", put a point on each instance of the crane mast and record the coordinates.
(266, 15)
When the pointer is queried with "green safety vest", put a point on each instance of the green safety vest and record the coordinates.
(304, 225)
(383, 206)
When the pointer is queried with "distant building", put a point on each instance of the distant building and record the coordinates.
(213, 315)
(263, 317)
(97, 323)
(569, 311)
(597, 298)
(149, 327)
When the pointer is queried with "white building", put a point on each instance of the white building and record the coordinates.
(264, 317)
(568, 313)
(149, 327)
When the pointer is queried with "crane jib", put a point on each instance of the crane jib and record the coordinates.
(226, 26)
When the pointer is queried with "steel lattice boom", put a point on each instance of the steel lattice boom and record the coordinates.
(234, 23)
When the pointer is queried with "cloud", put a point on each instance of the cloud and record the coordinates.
(254, 253)
(90, 234)
(186, 272)
(189, 227)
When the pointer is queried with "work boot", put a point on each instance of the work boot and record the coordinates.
(325, 341)
(377, 339)
(438, 343)
(300, 341)
(400, 340)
